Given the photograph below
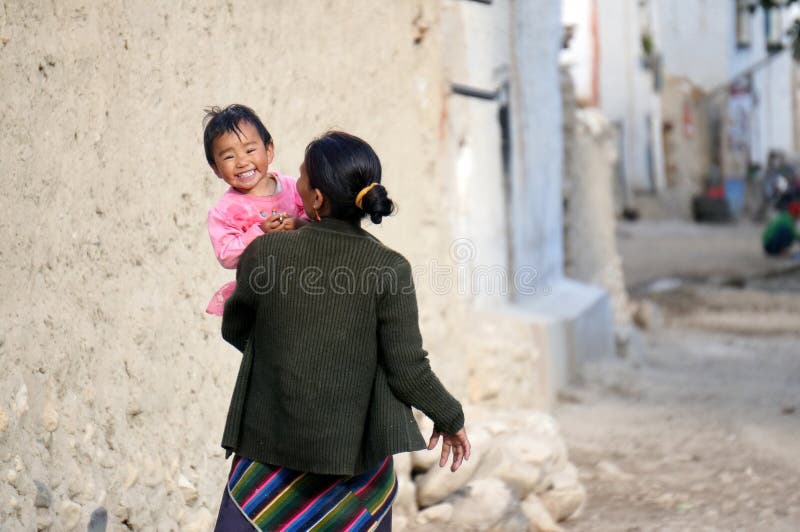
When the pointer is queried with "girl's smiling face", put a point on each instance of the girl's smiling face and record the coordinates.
(242, 160)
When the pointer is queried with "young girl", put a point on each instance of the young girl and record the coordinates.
(239, 150)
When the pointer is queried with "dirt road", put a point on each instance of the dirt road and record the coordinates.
(652, 250)
(702, 431)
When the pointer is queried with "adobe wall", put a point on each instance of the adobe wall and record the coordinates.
(115, 383)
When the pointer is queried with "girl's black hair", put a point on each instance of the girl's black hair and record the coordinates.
(340, 165)
(220, 121)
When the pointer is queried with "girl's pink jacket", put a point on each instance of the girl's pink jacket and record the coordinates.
(235, 221)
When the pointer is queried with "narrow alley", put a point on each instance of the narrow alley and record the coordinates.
(699, 428)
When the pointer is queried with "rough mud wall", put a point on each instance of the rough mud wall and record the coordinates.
(114, 383)
(589, 222)
(688, 139)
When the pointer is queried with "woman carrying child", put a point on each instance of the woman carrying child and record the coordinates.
(326, 319)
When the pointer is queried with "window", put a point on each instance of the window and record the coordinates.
(744, 24)
(773, 28)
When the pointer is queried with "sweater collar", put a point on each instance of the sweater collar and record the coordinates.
(338, 226)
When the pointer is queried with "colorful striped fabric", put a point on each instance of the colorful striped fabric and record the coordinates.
(277, 498)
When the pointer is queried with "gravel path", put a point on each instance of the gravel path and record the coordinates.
(702, 430)
(704, 434)
(652, 250)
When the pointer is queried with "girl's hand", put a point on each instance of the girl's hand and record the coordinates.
(273, 223)
(289, 223)
(458, 443)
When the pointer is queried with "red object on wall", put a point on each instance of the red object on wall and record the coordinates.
(688, 120)
(794, 209)
(717, 192)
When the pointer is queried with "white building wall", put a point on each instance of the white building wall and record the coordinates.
(579, 57)
(773, 124)
(571, 321)
(773, 89)
(509, 218)
(698, 40)
(773, 86)
(479, 35)
(695, 39)
(740, 59)
(627, 95)
(519, 46)
(538, 239)
(617, 46)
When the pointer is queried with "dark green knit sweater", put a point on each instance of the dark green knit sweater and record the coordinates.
(326, 318)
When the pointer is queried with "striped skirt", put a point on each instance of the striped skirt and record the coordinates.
(278, 498)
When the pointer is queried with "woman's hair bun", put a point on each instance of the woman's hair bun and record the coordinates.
(377, 204)
(348, 173)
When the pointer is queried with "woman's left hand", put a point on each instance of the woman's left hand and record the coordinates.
(458, 443)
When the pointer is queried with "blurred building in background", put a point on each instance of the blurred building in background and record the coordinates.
(737, 54)
(696, 90)
(617, 68)
(505, 140)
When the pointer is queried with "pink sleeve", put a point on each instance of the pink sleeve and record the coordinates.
(227, 240)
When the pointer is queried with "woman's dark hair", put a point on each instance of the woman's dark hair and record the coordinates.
(220, 121)
(340, 165)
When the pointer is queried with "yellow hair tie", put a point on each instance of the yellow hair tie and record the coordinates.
(360, 196)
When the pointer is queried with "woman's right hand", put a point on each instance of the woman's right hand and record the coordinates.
(458, 443)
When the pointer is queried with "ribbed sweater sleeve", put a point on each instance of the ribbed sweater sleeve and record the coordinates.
(240, 309)
(406, 363)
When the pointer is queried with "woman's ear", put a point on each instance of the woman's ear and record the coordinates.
(319, 199)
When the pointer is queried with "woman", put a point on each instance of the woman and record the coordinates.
(326, 319)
